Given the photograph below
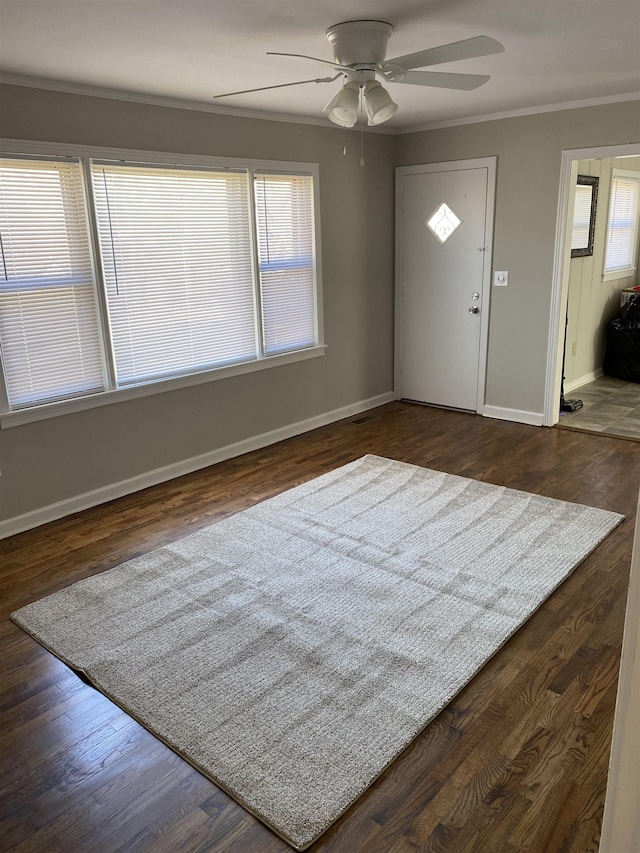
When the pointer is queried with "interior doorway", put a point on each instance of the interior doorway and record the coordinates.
(571, 161)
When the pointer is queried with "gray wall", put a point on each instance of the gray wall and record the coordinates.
(59, 458)
(529, 152)
(55, 459)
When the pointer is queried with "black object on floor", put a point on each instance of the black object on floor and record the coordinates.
(622, 348)
(570, 405)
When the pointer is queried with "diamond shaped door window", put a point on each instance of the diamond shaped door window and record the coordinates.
(443, 222)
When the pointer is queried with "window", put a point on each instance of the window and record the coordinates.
(621, 245)
(195, 270)
(176, 258)
(48, 315)
(284, 216)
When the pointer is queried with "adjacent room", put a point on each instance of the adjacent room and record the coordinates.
(262, 246)
(602, 345)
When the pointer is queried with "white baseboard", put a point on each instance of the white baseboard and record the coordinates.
(518, 416)
(578, 383)
(36, 517)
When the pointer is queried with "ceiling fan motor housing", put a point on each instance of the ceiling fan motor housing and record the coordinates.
(359, 42)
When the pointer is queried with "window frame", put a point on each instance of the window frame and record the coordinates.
(622, 272)
(112, 394)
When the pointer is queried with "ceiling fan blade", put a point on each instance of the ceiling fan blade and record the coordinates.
(279, 86)
(442, 80)
(465, 49)
(335, 65)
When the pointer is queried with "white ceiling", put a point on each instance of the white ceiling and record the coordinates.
(556, 51)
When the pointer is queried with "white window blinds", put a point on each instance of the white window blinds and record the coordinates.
(622, 226)
(286, 261)
(116, 273)
(177, 264)
(49, 331)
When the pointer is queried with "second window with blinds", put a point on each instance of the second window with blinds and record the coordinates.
(621, 242)
(198, 269)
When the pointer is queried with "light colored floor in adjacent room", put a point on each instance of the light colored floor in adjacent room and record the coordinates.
(611, 406)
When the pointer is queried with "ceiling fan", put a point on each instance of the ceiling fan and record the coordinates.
(359, 50)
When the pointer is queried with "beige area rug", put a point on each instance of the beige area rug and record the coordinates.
(290, 652)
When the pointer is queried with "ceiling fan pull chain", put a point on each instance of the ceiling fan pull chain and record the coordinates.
(361, 131)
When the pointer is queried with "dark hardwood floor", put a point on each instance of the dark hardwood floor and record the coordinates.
(517, 762)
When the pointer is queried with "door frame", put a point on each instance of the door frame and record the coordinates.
(490, 164)
(561, 261)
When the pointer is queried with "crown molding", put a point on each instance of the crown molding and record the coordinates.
(174, 103)
(200, 106)
(526, 111)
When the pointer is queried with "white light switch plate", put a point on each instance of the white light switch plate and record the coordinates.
(500, 278)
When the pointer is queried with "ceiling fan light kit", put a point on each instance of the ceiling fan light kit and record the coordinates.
(359, 50)
(378, 103)
(342, 109)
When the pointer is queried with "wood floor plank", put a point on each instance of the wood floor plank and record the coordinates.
(517, 763)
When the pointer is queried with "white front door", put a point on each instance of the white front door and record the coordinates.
(444, 234)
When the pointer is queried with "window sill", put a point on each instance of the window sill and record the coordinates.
(92, 401)
(615, 275)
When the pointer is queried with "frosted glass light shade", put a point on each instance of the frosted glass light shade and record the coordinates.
(378, 103)
(343, 108)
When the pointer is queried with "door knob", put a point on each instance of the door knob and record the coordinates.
(474, 309)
